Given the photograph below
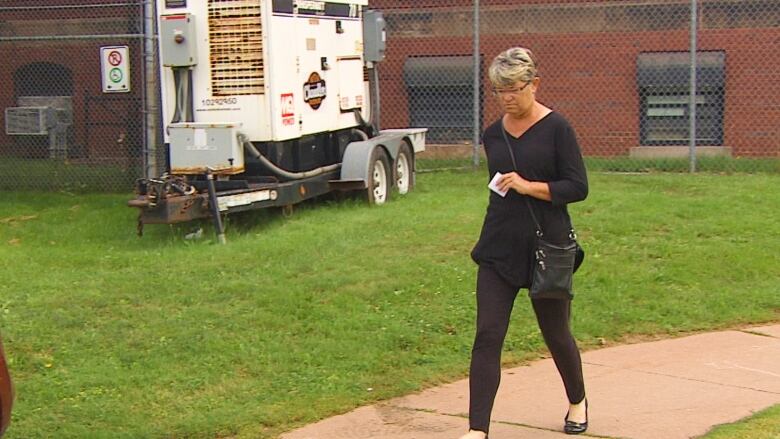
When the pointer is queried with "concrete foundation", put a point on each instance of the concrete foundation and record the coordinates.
(656, 152)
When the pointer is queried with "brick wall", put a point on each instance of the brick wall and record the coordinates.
(587, 51)
(588, 63)
(104, 126)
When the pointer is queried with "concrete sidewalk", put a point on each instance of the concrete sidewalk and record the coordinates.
(668, 389)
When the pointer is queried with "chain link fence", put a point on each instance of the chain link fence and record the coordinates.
(72, 95)
(620, 71)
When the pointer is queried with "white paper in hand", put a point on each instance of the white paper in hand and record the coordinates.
(493, 185)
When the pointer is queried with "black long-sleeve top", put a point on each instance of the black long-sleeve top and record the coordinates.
(548, 152)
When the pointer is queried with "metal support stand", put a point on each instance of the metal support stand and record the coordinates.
(215, 209)
(692, 87)
(150, 96)
(373, 84)
(477, 79)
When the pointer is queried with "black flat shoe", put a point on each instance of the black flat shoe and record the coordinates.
(571, 427)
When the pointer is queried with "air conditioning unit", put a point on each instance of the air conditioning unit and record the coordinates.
(63, 105)
(29, 120)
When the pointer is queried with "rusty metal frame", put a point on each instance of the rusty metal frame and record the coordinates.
(183, 208)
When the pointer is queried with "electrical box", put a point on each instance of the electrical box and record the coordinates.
(199, 147)
(178, 41)
(374, 36)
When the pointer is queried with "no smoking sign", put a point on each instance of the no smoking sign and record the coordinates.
(115, 69)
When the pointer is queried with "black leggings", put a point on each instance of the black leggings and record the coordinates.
(495, 298)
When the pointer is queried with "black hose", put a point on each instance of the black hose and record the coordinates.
(367, 128)
(250, 148)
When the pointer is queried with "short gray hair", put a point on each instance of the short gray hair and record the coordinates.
(513, 65)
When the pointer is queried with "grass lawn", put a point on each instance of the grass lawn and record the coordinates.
(763, 425)
(633, 164)
(112, 336)
(67, 175)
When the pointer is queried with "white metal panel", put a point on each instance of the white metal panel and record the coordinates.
(350, 91)
(317, 39)
(349, 2)
(293, 46)
(285, 90)
(225, 202)
(350, 44)
(250, 111)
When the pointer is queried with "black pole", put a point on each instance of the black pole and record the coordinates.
(215, 209)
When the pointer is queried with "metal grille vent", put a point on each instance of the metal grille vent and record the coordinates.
(236, 39)
(28, 120)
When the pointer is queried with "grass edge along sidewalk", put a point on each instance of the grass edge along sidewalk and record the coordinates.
(691, 383)
(342, 305)
(762, 425)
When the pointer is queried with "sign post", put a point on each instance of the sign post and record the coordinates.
(115, 69)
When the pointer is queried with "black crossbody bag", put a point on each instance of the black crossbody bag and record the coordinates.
(554, 264)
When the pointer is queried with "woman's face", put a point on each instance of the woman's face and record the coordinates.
(519, 98)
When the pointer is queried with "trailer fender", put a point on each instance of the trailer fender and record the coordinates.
(355, 166)
(414, 136)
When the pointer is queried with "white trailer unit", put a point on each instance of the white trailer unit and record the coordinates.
(267, 103)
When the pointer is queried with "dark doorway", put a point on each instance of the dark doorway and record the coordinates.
(44, 84)
(43, 79)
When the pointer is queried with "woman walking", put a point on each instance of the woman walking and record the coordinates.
(548, 170)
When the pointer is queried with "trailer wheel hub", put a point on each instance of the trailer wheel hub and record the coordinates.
(380, 182)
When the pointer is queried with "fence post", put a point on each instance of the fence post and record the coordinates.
(150, 92)
(477, 77)
(692, 94)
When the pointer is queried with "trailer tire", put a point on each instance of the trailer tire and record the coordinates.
(379, 183)
(404, 170)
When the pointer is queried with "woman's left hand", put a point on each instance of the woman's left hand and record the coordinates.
(536, 189)
(513, 180)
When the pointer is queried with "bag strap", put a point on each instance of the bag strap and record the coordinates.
(572, 233)
(525, 197)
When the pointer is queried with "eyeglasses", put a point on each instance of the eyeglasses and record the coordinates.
(510, 91)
